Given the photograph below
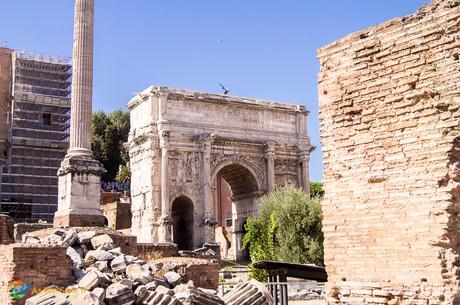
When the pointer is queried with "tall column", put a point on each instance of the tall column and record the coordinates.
(165, 221)
(206, 141)
(270, 157)
(305, 170)
(80, 174)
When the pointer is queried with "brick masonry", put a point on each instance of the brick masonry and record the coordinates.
(156, 250)
(37, 265)
(389, 108)
(21, 228)
(204, 273)
(6, 230)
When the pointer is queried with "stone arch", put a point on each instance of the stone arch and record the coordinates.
(182, 210)
(246, 188)
(245, 165)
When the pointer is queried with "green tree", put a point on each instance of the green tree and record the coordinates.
(110, 132)
(316, 190)
(287, 228)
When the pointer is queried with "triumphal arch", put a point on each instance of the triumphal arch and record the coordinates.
(188, 149)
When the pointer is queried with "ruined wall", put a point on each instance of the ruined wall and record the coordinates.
(6, 230)
(34, 265)
(389, 107)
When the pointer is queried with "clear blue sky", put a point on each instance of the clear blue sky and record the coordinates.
(259, 48)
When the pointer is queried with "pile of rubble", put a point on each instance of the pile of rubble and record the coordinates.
(104, 275)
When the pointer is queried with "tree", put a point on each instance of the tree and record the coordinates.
(316, 190)
(287, 228)
(109, 134)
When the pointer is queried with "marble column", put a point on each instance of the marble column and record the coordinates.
(305, 171)
(79, 188)
(165, 221)
(209, 221)
(270, 157)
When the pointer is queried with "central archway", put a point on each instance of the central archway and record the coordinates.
(182, 217)
(236, 192)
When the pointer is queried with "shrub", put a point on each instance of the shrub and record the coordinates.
(286, 229)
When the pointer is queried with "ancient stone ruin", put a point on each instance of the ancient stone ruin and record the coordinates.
(181, 142)
(390, 110)
(83, 266)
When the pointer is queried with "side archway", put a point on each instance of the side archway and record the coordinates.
(182, 218)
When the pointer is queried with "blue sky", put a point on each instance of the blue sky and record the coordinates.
(259, 48)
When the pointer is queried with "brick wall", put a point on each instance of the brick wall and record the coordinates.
(22, 228)
(202, 272)
(118, 215)
(6, 230)
(148, 252)
(36, 265)
(389, 107)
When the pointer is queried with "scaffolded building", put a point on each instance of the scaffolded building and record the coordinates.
(38, 131)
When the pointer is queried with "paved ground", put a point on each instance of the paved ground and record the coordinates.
(313, 302)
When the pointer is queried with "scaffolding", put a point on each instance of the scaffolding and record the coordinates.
(39, 133)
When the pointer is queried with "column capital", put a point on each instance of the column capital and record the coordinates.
(206, 140)
(164, 138)
(270, 150)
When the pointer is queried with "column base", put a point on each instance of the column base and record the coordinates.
(165, 229)
(79, 192)
(79, 220)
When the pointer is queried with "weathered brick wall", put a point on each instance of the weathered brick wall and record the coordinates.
(389, 107)
(32, 264)
(204, 273)
(22, 228)
(6, 230)
(151, 251)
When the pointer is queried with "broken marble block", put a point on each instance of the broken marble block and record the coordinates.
(173, 278)
(119, 294)
(102, 242)
(50, 295)
(155, 297)
(85, 237)
(248, 293)
(119, 264)
(90, 281)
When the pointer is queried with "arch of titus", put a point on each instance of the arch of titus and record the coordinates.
(182, 142)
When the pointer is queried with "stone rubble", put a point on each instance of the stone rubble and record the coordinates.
(249, 293)
(105, 276)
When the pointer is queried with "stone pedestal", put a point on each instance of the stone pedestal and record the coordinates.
(79, 193)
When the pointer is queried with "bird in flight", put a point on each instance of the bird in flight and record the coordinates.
(226, 89)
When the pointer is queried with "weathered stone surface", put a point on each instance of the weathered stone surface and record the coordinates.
(173, 278)
(102, 242)
(389, 109)
(70, 237)
(28, 238)
(88, 298)
(154, 297)
(99, 293)
(85, 237)
(90, 281)
(46, 297)
(137, 273)
(197, 296)
(140, 294)
(248, 293)
(119, 264)
(75, 257)
(118, 294)
(97, 255)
